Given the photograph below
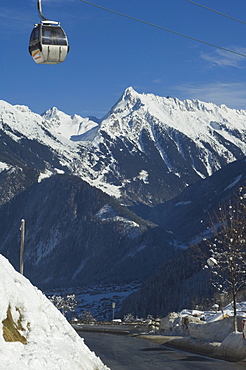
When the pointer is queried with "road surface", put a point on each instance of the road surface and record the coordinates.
(122, 352)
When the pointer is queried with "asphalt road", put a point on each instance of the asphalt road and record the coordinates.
(120, 352)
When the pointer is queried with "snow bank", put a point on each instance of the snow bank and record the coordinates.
(208, 332)
(205, 325)
(234, 347)
(214, 331)
(173, 324)
(34, 334)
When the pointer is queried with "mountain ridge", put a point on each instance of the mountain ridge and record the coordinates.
(145, 152)
(174, 142)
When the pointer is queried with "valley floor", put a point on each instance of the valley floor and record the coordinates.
(97, 299)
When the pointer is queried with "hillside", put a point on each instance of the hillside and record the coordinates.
(76, 235)
(182, 281)
(183, 214)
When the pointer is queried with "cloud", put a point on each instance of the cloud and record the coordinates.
(157, 81)
(231, 94)
(222, 58)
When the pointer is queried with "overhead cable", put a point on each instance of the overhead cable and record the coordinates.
(215, 11)
(165, 29)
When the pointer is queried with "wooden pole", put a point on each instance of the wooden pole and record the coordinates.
(22, 246)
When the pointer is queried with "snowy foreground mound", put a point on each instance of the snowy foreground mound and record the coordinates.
(34, 334)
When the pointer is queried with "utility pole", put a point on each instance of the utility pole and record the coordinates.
(22, 246)
(113, 307)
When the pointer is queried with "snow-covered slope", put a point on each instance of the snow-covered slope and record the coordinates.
(172, 142)
(34, 334)
(218, 126)
(70, 127)
(201, 135)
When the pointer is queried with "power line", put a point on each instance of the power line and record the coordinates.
(215, 11)
(165, 29)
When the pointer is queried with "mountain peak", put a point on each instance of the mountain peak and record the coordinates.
(5, 106)
(129, 91)
(52, 113)
(23, 108)
(186, 140)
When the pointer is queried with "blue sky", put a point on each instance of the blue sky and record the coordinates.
(108, 53)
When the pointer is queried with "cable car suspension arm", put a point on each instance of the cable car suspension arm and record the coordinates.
(40, 11)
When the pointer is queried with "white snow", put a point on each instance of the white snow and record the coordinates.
(185, 203)
(144, 176)
(107, 213)
(3, 166)
(209, 332)
(77, 142)
(70, 127)
(44, 175)
(209, 325)
(235, 345)
(51, 342)
(197, 120)
(237, 179)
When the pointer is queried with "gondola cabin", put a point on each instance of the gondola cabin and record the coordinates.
(48, 43)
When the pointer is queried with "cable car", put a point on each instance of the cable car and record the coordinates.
(48, 41)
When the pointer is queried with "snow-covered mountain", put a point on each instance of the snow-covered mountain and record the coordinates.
(59, 171)
(147, 149)
(34, 334)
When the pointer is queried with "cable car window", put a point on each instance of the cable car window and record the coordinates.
(53, 36)
(34, 35)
